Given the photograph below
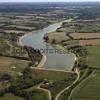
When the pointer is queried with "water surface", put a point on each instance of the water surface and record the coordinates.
(55, 60)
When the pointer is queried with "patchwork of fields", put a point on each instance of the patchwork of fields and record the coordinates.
(86, 39)
(82, 32)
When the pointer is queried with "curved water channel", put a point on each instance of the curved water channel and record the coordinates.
(56, 58)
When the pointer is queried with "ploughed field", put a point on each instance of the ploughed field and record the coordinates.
(85, 35)
(87, 32)
(86, 38)
(89, 42)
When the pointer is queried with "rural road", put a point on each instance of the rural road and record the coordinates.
(49, 93)
(81, 83)
(78, 76)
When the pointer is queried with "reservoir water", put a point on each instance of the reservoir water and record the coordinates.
(56, 58)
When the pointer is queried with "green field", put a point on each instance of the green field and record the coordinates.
(52, 75)
(93, 56)
(88, 89)
(10, 97)
(37, 94)
(56, 79)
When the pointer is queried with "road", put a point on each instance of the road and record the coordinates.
(60, 93)
(81, 83)
(46, 90)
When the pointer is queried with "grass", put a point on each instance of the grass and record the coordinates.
(93, 56)
(4, 47)
(10, 97)
(4, 85)
(57, 36)
(58, 80)
(51, 75)
(12, 65)
(39, 94)
(59, 85)
(55, 79)
(88, 89)
(89, 28)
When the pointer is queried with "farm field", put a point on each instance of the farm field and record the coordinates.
(85, 35)
(39, 94)
(88, 89)
(15, 31)
(21, 79)
(89, 42)
(93, 56)
(10, 97)
(12, 65)
(57, 36)
(54, 80)
(52, 75)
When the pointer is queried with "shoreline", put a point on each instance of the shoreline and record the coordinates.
(44, 58)
(25, 35)
(42, 62)
(75, 57)
(22, 37)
